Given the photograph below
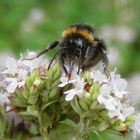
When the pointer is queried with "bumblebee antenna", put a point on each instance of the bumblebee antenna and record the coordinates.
(51, 46)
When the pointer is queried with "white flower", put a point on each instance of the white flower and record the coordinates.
(11, 84)
(136, 126)
(121, 112)
(97, 76)
(4, 98)
(106, 99)
(128, 111)
(30, 65)
(112, 97)
(18, 71)
(11, 65)
(78, 90)
(114, 76)
(22, 74)
(119, 86)
(65, 81)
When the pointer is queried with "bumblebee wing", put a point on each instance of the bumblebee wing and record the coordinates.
(90, 52)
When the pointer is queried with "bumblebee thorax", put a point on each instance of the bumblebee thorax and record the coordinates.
(74, 31)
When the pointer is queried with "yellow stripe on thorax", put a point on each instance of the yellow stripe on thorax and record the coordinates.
(73, 30)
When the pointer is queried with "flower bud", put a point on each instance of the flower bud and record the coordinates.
(130, 120)
(37, 83)
(87, 96)
(120, 126)
(87, 78)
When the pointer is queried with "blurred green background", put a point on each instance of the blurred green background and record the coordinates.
(32, 24)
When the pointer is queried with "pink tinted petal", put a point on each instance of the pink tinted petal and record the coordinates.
(21, 84)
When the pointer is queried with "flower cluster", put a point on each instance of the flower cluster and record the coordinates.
(111, 95)
(17, 71)
(88, 102)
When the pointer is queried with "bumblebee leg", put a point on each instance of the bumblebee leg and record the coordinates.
(107, 72)
(103, 50)
(106, 63)
(71, 64)
(80, 61)
(52, 59)
(51, 46)
(63, 66)
(55, 56)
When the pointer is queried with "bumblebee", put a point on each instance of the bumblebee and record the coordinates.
(79, 45)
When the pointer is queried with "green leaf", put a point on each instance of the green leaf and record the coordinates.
(19, 100)
(33, 99)
(52, 81)
(69, 123)
(94, 90)
(48, 104)
(75, 105)
(95, 105)
(31, 78)
(95, 135)
(31, 112)
(86, 114)
(27, 115)
(83, 105)
(3, 122)
(53, 92)
(55, 83)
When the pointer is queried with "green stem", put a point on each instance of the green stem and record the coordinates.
(42, 128)
(83, 129)
(79, 131)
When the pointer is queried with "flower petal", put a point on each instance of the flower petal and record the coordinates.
(12, 85)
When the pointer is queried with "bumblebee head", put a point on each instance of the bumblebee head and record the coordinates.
(76, 39)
